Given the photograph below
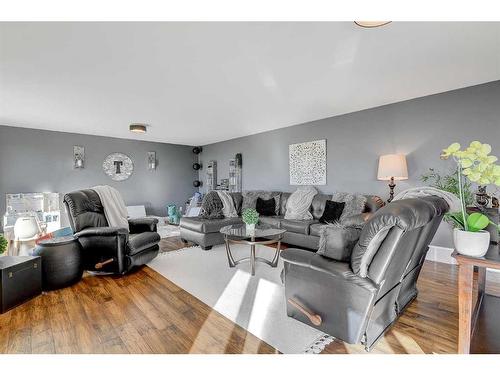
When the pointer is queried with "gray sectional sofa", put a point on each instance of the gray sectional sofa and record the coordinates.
(301, 233)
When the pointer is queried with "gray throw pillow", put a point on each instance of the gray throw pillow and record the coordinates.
(337, 241)
(354, 203)
(211, 207)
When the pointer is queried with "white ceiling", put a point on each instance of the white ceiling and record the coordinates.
(198, 83)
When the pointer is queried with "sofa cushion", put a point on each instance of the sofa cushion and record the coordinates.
(284, 200)
(299, 203)
(141, 241)
(274, 221)
(333, 211)
(211, 207)
(250, 198)
(297, 226)
(315, 229)
(201, 225)
(318, 205)
(266, 207)
(237, 199)
(336, 242)
(354, 203)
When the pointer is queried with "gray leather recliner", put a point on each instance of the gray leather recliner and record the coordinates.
(328, 295)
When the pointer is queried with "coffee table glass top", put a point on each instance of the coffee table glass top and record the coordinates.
(239, 231)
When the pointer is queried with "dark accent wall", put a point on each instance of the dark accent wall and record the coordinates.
(42, 161)
(419, 128)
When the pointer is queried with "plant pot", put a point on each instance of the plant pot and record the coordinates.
(472, 244)
(250, 227)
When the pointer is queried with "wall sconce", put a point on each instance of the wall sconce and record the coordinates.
(78, 157)
(151, 160)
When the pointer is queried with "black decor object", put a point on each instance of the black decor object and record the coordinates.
(266, 207)
(239, 160)
(333, 211)
(109, 249)
(197, 150)
(20, 280)
(197, 183)
(196, 166)
(62, 263)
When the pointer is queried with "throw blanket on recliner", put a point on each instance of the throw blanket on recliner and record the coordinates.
(425, 191)
(114, 206)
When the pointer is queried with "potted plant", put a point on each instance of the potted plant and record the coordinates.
(3, 244)
(250, 217)
(477, 165)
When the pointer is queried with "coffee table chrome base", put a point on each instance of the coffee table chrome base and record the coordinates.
(252, 258)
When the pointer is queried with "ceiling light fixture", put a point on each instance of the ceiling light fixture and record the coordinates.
(138, 128)
(371, 24)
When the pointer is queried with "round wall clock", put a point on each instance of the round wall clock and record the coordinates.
(118, 166)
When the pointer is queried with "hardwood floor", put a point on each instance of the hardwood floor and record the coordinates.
(143, 312)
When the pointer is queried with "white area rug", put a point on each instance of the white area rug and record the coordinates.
(256, 303)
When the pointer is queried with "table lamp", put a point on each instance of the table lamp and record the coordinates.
(392, 167)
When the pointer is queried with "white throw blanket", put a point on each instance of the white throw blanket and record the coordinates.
(297, 205)
(425, 191)
(114, 206)
(228, 208)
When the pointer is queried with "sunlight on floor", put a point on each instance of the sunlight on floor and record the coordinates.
(263, 301)
(209, 332)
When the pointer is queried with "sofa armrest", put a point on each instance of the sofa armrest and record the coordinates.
(101, 231)
(143, 224)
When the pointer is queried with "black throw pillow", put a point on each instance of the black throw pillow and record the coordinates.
(266, 207)
(333, 211)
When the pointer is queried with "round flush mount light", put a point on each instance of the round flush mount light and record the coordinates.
(138, 128)
(371, 24)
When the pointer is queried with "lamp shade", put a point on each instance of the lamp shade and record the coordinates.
(392, 166)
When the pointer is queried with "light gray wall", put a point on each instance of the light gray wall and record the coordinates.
(42, 161)
(419, 128)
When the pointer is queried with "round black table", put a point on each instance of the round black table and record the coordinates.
(62, 263)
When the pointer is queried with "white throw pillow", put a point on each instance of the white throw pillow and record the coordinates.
(297, 206)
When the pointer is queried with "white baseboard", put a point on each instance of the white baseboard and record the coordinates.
(440, 254)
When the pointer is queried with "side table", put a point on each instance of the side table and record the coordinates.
(62, 263)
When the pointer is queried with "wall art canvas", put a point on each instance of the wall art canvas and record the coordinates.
(118, 166)
(308, 163)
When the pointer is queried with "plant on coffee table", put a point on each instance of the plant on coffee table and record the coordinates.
(477, 165)
(250, 217)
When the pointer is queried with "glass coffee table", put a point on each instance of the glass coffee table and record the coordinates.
(262, 235)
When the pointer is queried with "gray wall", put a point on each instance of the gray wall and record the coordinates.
(42, 161)
(419, 128)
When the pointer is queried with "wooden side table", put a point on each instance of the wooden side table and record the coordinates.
(473, 314)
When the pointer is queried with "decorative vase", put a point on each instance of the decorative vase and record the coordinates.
(472, 244)
(250, 227)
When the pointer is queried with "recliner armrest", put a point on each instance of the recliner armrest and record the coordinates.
(319, 263)
(101, 231)
(143, 224)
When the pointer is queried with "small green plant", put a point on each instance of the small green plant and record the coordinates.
(476, 165)
(250, 216)
(448, 182)
(3, 244)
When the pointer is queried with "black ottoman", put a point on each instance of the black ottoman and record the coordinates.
(62, 263)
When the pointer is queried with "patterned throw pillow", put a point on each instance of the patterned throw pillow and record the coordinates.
(354, 203)
(211, 207)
